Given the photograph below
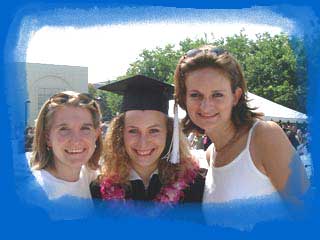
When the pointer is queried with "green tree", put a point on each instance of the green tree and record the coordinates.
(301, 89)
(114, 103)
(271, 71)
(158, 63)
(274, 66)
(109, 102)
(188, 44)
(239, 46)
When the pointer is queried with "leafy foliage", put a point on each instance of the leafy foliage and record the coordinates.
(274, 66)
(158, 63)
(109, 102)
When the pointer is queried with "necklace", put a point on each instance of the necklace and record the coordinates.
(231, 141)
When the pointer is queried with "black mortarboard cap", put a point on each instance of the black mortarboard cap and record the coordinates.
(142, 93)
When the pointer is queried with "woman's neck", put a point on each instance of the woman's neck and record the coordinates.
(145, 173)
(221, 136)
(66, 174)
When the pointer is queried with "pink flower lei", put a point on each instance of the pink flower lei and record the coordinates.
(171, 193)
(111, 191)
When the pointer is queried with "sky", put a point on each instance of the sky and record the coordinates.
(108, 48)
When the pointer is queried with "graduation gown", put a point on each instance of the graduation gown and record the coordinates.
(193, 193)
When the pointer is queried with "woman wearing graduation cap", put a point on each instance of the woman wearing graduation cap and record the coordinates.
(144, 159)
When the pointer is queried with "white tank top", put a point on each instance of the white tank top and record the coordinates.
(240, 179)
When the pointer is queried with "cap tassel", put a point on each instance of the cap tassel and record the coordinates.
(175, 154)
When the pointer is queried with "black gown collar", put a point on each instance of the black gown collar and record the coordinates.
(138, 191)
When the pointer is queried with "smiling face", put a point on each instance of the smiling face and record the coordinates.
(145, 134)
(209, 98)
(72, 137)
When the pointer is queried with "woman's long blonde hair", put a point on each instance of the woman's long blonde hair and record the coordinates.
(116, 162)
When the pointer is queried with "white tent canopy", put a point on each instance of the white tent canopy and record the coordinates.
(272, 111)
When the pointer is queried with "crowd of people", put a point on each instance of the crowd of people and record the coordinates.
(145, 155)
(296, 132)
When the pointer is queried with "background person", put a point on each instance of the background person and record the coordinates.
(292, 135)
(29, 134)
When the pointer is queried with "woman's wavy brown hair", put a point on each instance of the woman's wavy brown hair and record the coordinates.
(42, 155)
(217, 58)
(116, 162)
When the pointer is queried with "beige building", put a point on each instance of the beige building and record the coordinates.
(44, 80)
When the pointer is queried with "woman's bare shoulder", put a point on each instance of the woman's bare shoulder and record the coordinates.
(269, 132)
(271, 144)
(272, 148)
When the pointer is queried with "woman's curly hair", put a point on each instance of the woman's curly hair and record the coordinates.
(116, 162)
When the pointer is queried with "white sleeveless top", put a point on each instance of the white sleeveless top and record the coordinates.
(240, 179)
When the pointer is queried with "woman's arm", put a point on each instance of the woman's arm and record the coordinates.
(273, 150)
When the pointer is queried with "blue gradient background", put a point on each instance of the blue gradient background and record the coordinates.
(20, 220)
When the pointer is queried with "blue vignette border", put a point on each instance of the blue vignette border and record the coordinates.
(21, 220)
